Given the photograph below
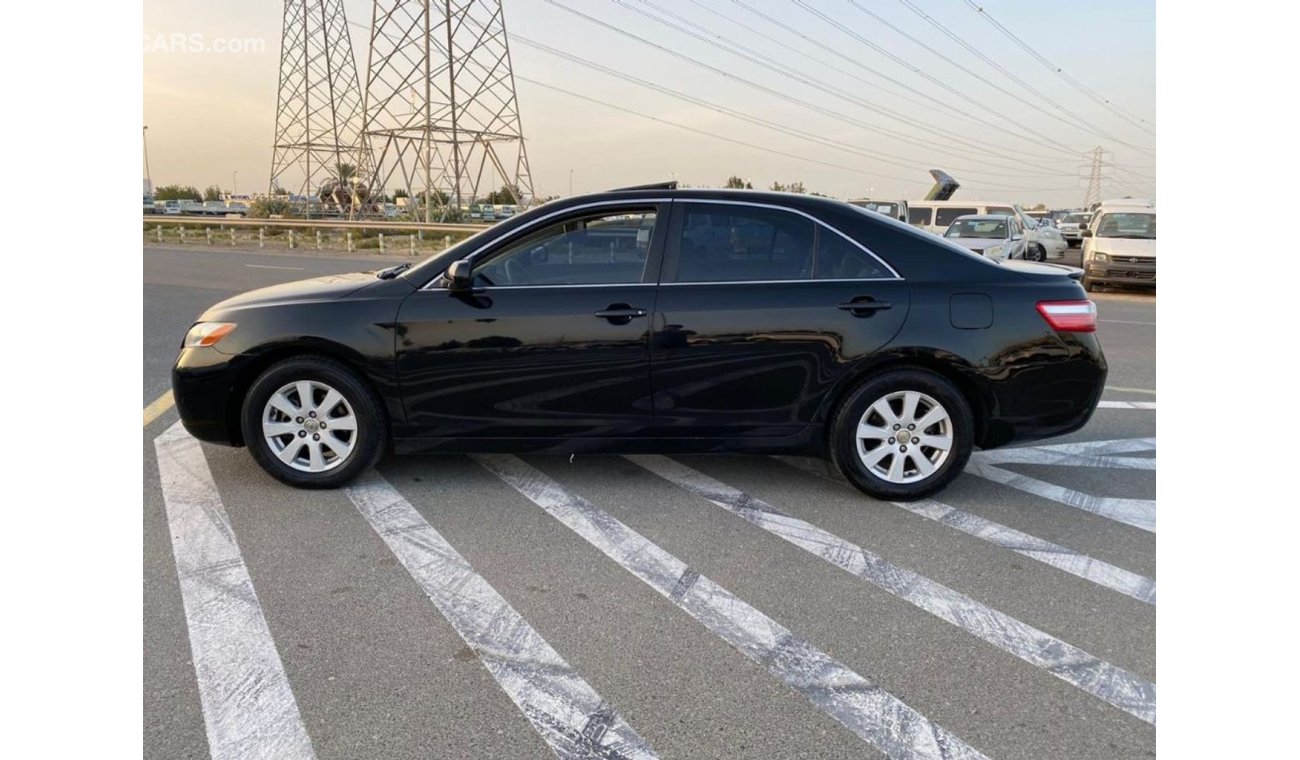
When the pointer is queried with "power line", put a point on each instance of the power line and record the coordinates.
(771, 64)
(766, 123)
(733, 140)
(1074, 120)
(919, 72)
(776, 93)
(1136, 121)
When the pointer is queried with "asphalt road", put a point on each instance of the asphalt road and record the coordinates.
(1027, 631)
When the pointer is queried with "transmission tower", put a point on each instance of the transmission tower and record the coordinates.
(318, 112)
(1093, 194)
(441, 116)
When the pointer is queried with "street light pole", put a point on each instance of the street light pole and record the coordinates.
(234, 182)
(148, 176)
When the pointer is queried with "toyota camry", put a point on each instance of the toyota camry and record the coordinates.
(656, 319)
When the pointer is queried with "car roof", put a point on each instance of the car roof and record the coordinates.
(664, 192)
(985, 217)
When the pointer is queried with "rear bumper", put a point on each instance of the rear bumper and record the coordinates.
(1047, 398)
(203, 383)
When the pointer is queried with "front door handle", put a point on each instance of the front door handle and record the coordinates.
(865, 306)
(620, 313)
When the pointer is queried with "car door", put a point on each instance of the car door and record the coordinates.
(552, 341)
(761, 311)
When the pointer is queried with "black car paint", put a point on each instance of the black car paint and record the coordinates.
(712, 366)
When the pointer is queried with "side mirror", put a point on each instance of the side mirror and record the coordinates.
(458, 276)
(1086, 232)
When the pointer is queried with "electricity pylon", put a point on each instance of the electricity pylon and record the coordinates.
(441, 115)
(1093, 193)
(318, 111)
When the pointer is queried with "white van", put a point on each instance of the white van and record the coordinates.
(934, 216)
(1119, 244)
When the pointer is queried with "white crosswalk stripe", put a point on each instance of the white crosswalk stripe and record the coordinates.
(1060, 557)
(249, 710)
(1107, 682)
(862, 706)
(563, 708)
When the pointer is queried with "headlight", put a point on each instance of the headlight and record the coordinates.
(1100, 257)
(206, 334)
(993, 252)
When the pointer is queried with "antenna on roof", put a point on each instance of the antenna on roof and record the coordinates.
(653, 186)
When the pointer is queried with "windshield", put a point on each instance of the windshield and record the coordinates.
(1141, 226)
(1077, 219)
(990, 229)
(880, 207)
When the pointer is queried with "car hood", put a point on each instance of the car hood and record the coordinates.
(1124, 247)
(325, 288)
(978, 245)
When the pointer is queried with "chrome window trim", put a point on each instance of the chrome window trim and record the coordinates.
(560, 212)
(637, 201)
(785, 282)
(806, 215)
(575, 285)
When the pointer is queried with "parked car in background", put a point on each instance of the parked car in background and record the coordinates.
(1119, 245)
(172, 208)
(994, 237)
(1072, 227)
(1043, 243)
(892, 209)
(654, 319)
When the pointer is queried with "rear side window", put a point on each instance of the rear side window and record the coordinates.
(725, 243)
(946, 216)
(918, 216)
(838, 259)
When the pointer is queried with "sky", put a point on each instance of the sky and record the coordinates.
(1016, 132)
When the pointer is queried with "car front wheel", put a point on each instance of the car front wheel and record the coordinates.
(312, 423)
(903, 435)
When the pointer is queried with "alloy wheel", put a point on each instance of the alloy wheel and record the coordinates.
(309, 426)
(904, 437)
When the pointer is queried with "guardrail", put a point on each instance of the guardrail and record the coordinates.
(368, 224)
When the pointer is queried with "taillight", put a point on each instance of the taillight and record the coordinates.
(1069, 316)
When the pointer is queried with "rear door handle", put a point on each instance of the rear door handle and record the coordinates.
(620, 313)
(865, 306)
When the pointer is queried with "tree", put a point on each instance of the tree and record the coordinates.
(347, 171)
(793, 187)
(178, 193)
(508, 194)
(213, 193)
(277, 190)
(736, 183)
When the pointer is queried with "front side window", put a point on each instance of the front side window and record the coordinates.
(726, 243)
(605, 248)
(918, 216)
(978, 228)
(946, 216)
(1120, 225)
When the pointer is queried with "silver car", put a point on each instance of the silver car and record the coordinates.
(993, 236)
(1072, 227)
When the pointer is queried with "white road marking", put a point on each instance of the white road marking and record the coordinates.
(1126, 405)
(269, 266)
(1062, 558)
(1140, 513)
(862, 706)
(567, 712)
(248, 706)
(1116, 686)
(1120, 389)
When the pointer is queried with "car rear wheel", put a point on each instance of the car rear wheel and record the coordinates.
(902, 435)
(312, 423)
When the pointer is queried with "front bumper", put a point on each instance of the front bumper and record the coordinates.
(1133, 269)
(203, 384)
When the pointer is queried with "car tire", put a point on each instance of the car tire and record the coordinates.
(312, 422)
(872, 463)
(1087, 283)
(1039, 253)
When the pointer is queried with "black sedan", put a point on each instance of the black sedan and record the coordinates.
(656, 320)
